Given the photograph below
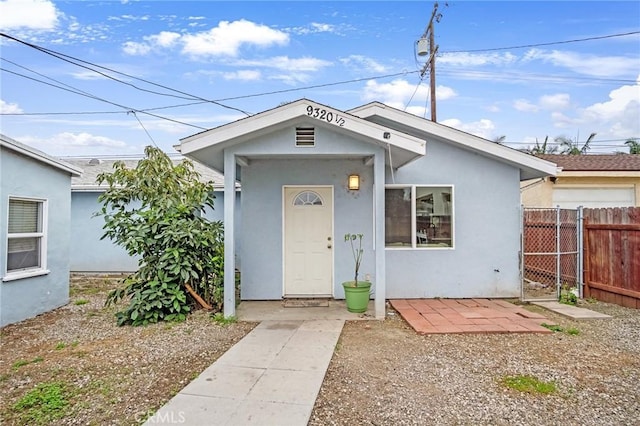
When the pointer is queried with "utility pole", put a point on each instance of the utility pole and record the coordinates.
(428, 38)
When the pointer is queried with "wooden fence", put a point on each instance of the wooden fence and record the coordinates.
(612, 255)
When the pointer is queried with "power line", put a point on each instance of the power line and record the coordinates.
(524, 46)
(71, 60)
(81, 93)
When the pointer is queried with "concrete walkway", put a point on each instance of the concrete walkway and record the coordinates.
(571, 311)
(270, 377)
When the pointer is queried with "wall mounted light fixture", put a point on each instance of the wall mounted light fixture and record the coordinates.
(354, 182)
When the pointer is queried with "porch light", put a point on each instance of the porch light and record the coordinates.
(354, 182)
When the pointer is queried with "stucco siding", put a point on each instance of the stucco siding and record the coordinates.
(484, 261)
(91, 254)
(25, 177)
(261, 233)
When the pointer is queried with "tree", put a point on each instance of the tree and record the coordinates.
(154, 211)
(571, 147)
(500, 139)
(543, 148)
(634, 146)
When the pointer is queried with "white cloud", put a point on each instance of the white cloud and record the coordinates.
(587, 64)
(477, 59)
(363, 64)
(286, 63)
(525, 106)
(244, 75)
(224, 40)
(398, 92)
(134, 48)
(7, 108)
(228, 37)
(483, 128)
(164, 39)
(558, 101)
(615, 118)
(68, 143)
(314, 28)
(32, 14)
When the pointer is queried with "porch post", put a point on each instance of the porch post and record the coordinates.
(380, 285)
(229, 237)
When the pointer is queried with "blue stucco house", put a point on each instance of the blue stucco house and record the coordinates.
(91, 254)
(35, 202)
(439, 208)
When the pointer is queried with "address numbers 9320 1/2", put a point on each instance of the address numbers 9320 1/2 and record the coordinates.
(324, 115)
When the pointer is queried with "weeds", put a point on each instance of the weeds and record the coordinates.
(43, 404)
(81, 302)
(529, 384)
(21, 363)
(568, 295)
(222, 320)
(572, 331)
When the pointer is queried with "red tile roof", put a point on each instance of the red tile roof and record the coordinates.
(595, 162)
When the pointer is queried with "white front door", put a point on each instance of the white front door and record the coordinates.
(308, 241)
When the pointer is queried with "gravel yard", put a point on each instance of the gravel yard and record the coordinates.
(382, 373)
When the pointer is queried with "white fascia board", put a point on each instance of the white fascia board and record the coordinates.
(326, 115)
(38, 155)
(600, 173)
(456, 136)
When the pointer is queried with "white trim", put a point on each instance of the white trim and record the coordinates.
(25, 273)
(43, 235)
(414, 245)
(30, 152)
(457, 137)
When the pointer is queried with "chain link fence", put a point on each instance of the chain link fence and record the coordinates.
(551, 253)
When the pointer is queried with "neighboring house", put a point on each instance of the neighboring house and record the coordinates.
(35, 200)
(439, 208)
(587, 180)
(88, 252)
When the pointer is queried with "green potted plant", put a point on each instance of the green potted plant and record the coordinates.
(356, 292)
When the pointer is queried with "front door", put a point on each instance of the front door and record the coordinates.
(308, 241)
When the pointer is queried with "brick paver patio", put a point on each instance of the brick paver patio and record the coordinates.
(440, 316)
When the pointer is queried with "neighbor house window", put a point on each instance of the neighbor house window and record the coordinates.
(419, 216)
(26, 235)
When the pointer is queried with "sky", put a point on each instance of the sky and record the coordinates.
(107, 78)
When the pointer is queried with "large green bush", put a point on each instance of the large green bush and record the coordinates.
(154, 211)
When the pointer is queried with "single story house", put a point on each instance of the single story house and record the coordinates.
(90, 254)
(592, 180)
(439, 208)
(35, 203)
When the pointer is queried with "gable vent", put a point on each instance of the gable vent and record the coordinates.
(305, 136)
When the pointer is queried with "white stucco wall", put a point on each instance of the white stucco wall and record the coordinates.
(21, 176)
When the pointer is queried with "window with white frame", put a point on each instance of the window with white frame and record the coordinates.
(26, 235)
(418, 216)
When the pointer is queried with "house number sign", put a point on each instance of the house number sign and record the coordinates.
(324, 115)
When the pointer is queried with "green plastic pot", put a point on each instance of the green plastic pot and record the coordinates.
(357, 298)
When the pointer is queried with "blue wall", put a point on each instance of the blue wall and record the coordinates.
(483, 263)
(487, 227)
(260, 236)
(89, 253)
(21, 176)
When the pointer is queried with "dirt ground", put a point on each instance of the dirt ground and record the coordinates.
(74, 366)
(109, 375)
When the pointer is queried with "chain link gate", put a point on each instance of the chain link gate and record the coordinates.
(551, 252)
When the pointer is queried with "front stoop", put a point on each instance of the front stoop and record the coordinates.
(468, 316)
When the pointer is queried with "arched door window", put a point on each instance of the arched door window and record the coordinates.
(307, 198)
